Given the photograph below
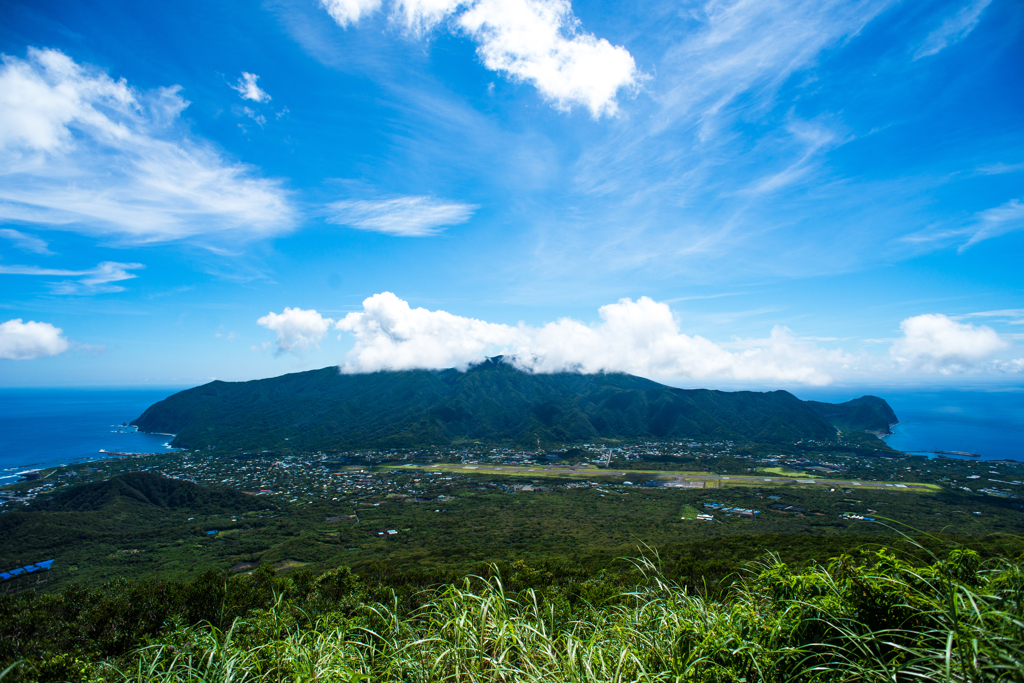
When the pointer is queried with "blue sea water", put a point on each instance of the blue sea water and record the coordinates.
(988, 422)
(46, 427)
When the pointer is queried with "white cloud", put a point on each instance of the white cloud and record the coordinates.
(26, 242)
(92, 281)
(536, 41)
(997, 221)
(644, 338)
(248, 90)
(639, 337)
(392, 336)
(953, 30)
(260, 119)
(750, 48)
(1010, 316)
(81, 151)
(1012, 366)
(935, 342)
(993, 222)
(26, 341)
(346, 12)
(403, 216)
(420, 16)
(297, 329)
(999, 169)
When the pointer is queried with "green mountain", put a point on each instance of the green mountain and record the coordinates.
(491, 402)
(147, 491)
(864, 414)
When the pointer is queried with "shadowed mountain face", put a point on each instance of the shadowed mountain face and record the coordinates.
(491, 402)
(864, 414)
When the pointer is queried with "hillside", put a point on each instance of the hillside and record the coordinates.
(865, 414)
(149, 491)
(138, 524)
(491, 402)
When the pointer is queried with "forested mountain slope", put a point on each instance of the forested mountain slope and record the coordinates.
(491, 402)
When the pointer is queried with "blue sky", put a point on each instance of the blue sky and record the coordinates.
(727, 194)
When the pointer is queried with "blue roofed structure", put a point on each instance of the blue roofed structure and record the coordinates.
(45, 565)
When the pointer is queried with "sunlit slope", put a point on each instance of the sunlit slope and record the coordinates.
(492, 402)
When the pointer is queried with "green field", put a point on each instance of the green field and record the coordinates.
(783, 472)
(683, 479)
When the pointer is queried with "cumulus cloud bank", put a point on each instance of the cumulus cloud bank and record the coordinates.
(26, 341)
(85, 152)
(641, 337)
(536, 41)
(937, 343)
(297, 329)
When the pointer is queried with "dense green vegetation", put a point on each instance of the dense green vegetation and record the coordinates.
(878, 614)
(864, 414)
(498, 564)
(493, 403)
(448, 522)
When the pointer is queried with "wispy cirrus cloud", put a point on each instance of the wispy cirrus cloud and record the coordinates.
(26, 242)
(400, 216)
(98, 280)
(986, 224)
(1010, 316)
(996, 221)
(81, 151)
(953, 29)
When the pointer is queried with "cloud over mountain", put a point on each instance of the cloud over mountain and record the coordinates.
(641, 337)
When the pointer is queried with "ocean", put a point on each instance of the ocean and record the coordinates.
(989, 422)
(47, 427)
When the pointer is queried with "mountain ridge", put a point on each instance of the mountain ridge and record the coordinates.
(489, 402)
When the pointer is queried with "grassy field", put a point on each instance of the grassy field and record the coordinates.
(783, 472)
(706, 480)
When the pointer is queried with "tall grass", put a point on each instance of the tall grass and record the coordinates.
(883, 619)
